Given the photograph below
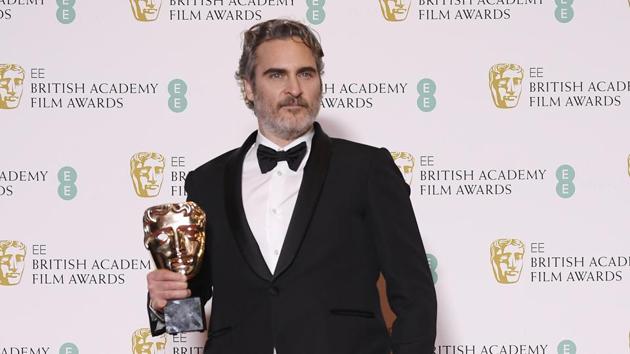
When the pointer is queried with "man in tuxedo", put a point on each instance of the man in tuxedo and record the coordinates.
(300, 225)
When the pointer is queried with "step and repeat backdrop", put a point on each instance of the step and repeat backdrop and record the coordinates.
(508, 118)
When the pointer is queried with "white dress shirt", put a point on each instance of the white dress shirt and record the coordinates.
(269, 198)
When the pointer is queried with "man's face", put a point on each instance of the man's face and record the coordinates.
(176, 242)
(147, 177)
(506, 88)
(11, 265)
(146, 10)
(394, 10)
(287, 88)
(508, 263)
(11, 88)
(143, 343)
(406, 167)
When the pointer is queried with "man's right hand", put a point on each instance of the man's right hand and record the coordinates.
(166, 285)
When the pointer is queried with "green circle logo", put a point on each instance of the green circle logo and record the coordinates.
(177, 87)
(564, 14)
(67, 175)
(433, 263)
(177, 90)
(565, 173)
(567, 347)
(68, 348)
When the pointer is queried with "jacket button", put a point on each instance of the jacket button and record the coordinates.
(274, 291)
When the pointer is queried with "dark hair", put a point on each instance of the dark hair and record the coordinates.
(268, 30)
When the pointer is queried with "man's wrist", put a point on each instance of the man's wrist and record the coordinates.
(156, 313)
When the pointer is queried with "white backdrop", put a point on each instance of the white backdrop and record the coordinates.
(57, 299)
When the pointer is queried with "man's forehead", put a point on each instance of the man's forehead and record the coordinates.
(284, 52)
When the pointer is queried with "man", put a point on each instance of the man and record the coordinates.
(506, 81)
(299, 225)
(11, 82)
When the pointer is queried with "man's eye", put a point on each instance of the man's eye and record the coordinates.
(19, 81)
(306, 74)
(4, 82)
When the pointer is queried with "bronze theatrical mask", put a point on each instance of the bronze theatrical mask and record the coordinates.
(175, 235)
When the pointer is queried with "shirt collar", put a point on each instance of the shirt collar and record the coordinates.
(307, 137)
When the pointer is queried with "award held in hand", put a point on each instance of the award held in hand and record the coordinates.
(175, 235)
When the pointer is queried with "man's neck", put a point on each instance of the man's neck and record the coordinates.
(278, 140)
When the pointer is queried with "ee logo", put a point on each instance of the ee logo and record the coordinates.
(67, 176)
(567, 347)
(315, 13)
(177, 100)
(433, 263)
(565, 187)
(65, 11)
(426, 89)
(564, 11)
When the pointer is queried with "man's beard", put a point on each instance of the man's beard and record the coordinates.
(286, 127)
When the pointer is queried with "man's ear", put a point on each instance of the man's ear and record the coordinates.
(249, 90)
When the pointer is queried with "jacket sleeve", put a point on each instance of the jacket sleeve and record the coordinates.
(402, 258)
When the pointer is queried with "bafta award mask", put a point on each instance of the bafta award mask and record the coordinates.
(11, 82)
(506, 256)
(146, 10)
(394, 10)
(405, 163)
(506, 81)
(175, 235)
(147, 173)
(143, 343)
(12, 254)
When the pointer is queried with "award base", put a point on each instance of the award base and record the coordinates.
(184, 315)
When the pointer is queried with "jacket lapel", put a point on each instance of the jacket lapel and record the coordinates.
(236, 213)
(314, 175)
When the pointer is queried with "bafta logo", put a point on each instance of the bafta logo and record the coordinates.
(506, 256)
(506, 81)
(405, 163)
(12, 254)
(147, 173)
(146, 10)
(143, 343)
(394, 10)
(11, 82)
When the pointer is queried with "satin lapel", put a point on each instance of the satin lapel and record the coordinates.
(314, 175)
(236, 213)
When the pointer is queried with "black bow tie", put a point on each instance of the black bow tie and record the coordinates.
(268, 158)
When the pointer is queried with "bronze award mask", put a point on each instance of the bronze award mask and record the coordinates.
(175, 236)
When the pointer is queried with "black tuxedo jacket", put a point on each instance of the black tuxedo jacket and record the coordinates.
(352, 220)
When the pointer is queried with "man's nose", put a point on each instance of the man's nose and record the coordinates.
(151, 3)
(293, 87)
